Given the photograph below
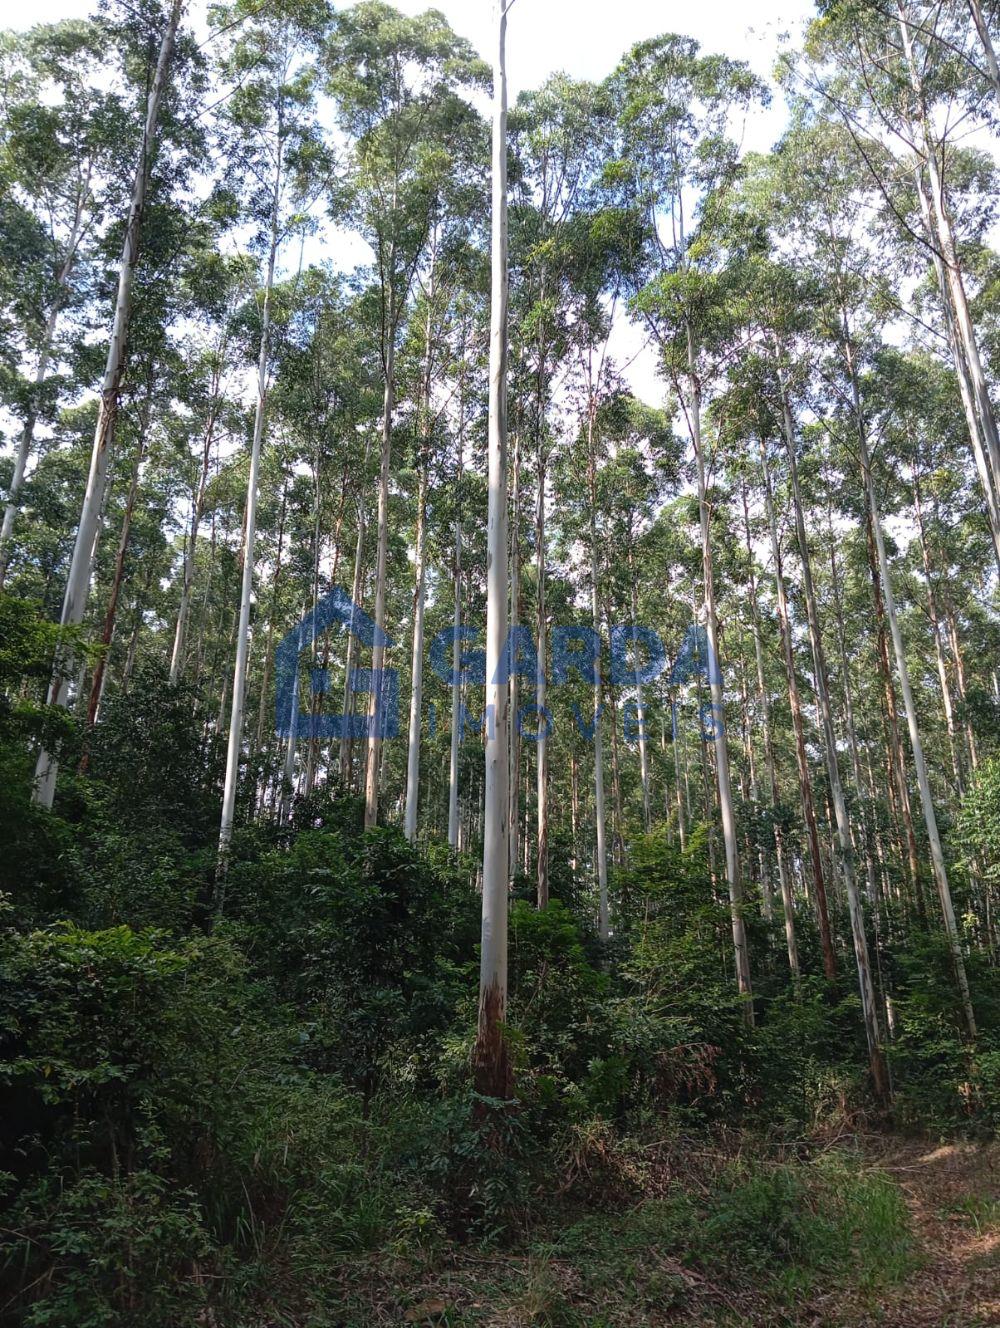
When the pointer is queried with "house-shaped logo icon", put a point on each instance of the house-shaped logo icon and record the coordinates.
(338, 611)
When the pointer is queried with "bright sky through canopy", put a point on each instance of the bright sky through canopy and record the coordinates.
(584, 39)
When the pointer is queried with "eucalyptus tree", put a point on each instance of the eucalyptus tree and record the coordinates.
(894, 85)
(217, 288)
(644, 464)
(675, 109)
(560, 137)
(491, 1056)
(816, 186)
(282, 163)
(81, 565)
(62, 142)
(401, 86)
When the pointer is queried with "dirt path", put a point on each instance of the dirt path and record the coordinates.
(953, 1193)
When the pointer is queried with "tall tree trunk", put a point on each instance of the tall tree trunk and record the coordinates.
(982, 28)
(956, 655)
(235, 742)
(740, 949)
(902, 671)
(357, 582)
(795, 704)
(542, 746)
(949, 257)
(275, 581)
(84, 548)
(491, 1057)
(935, 620)
(514, 785)
(987, 481)
(374, 745)
(787, 901)
(420, 574)
(197, 507)
(604, 922)
(844, 844)
(640, 708)
(417, 663)
(454, 823)
(895, 757)
(111, 613)
(865, 790)
(26, 441)
(678, 780)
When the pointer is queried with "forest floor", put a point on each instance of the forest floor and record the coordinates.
(936, 1266)
(952, 1192)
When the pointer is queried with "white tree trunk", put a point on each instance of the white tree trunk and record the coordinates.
(41, 370)
(919, 764)
(950, 261)
(844, 844)
(640, 707)
(514, 785)
(986, 479)
(542, 760)
(84, 548)
(235, 742)
(454, 822)
(740, 949)
(989, 51)
(787, 901)
(420, 574)
(603, 915)
(417, 665)
(374, 747)
(492, 1061)
(177, 654)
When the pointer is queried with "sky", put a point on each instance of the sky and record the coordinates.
(581, 38)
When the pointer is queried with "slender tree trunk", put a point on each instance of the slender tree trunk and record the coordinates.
(417, 664)
(275, 581)
(843, 844)
(514, 786)
(81, 566)
(542, 746)
(490, 1056)
(949, 257)
(986, 478)
(27, 438)
(235, 742)
(111, 613)
(374, 744)
(787, 901)
(902, 670)
(197, 507)
(640, 708)
(935, 621)
(617, 812)
(956, 654)
(419, 594)
(740, 949)
(604, 923)
(992, 68)
(678, 780)
(357, 581)
(865, 791)
(805, 784)
(456, 648)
